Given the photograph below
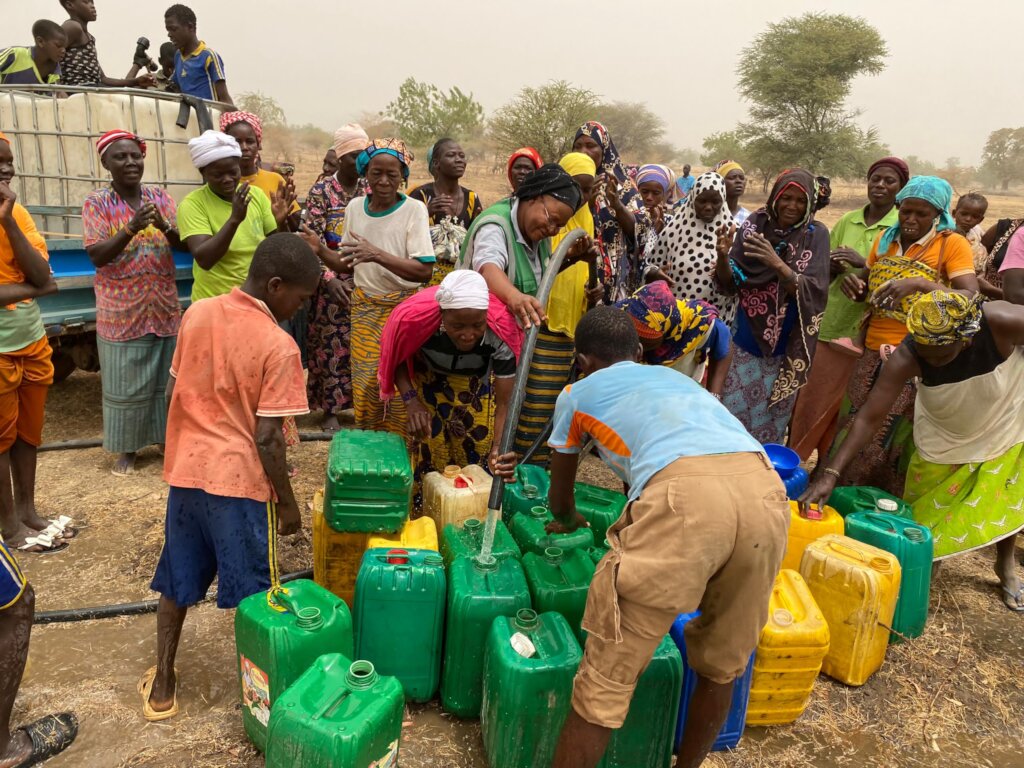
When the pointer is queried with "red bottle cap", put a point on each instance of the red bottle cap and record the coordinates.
(461, 482)
(398, 556)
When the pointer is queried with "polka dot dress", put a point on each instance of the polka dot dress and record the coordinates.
(685, 249)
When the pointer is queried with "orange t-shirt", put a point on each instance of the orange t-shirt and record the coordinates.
(232, 364)
(957, 260)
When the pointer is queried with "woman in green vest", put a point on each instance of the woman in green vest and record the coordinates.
(509, 244)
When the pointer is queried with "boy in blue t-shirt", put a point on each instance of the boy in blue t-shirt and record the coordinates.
(705, 529)
(198, 70)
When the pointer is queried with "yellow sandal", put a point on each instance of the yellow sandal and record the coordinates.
(145, 688)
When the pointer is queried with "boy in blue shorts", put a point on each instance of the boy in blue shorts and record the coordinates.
(705, 528)
(235, 376)
(30, 744)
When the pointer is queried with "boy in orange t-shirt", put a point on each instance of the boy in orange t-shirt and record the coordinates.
(235, 376)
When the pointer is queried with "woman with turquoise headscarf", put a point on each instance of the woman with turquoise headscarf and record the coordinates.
(620, 220)
(387, 248)
(922, 252)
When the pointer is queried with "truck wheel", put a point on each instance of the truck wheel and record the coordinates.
(63, 365)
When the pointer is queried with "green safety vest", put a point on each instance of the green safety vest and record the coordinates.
(519, 268)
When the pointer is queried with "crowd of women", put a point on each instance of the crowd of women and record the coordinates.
(869, 342)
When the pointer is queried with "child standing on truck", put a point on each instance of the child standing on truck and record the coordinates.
(38, 65)
(25, 368)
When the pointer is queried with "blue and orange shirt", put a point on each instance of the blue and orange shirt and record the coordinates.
(643, 418)
(197, 73)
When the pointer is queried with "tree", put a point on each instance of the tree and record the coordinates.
(425, 113)
(264, 107)
(797, 76)
(634, 128)
(545, 118)
(1003, 156)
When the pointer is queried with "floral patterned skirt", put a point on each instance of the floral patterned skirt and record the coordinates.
(461, 422)
(329, 386)
(968, 506)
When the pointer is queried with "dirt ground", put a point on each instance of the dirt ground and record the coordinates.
(952, 698)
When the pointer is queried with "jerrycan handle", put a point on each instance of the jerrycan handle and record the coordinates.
(875, 563)
(278, 599)
(361, 676)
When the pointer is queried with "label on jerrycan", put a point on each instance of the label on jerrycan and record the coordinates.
(256, 691)
(390, 760)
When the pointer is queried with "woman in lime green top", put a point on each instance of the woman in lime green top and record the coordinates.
(815, 417)
(222, 222)
(509, 244)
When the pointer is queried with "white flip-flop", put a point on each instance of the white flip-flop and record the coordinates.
(44, 540)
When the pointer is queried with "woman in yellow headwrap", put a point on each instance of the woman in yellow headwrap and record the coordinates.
(568, 300)
(966, 477)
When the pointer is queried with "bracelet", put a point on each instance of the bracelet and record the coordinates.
(128, 229)
(409, 396)
(834, 472)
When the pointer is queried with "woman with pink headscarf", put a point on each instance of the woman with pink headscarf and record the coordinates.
(327, 342)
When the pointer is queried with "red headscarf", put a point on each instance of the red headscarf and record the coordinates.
(110, 137)
(231, 118)
(530, 154)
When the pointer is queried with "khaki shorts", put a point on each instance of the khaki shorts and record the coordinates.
(707, 532)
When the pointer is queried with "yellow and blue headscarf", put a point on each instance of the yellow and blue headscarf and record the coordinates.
(394, 147)
(944, 317)
(682, 326)
(934, 191)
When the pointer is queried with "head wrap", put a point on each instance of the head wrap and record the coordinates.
(726, 167)
(551, 180)
(944, 317)
(350, 138)
(824, 192)
(934, 191)
(111, 137)
(897, 164)
(660, 173)
(681, 325)
(231, 118)
(212, 146)
(529, 153)
(463, 289)
(766, 306)
(578, 164)
(611, 163)
(394, 147)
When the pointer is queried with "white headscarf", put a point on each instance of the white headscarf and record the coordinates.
(463, 289)
(211, 147)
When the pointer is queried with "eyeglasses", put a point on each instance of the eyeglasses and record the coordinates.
(547, 214)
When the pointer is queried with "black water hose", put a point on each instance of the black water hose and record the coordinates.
(508, 438)
(130, 609)
(96, 442)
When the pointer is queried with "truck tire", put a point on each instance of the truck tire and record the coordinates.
(63, 365)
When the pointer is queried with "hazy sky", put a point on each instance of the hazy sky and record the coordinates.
(952, 76)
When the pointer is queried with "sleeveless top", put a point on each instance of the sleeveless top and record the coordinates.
(81, 65)
(971, 409)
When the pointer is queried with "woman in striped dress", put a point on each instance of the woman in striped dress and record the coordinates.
(129, 230)
(509, 245)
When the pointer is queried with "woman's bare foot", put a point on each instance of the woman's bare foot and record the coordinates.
(124, 465)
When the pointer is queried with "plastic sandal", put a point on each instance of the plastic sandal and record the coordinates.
(145, 688)
(47, 542)
(50, 736)
(1014, 601)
